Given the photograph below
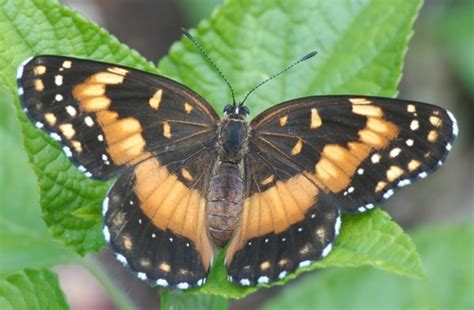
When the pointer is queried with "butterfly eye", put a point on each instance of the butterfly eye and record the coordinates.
(228, 109)
(244, 110)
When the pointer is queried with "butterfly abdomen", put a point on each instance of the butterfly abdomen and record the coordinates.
(224, 202)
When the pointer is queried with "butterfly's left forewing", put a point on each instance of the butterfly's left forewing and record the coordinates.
(310, 158)
(155, 135)
(109, 117)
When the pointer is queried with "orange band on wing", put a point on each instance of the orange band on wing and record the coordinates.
(274, 210)
(171, 205)
(338, 164)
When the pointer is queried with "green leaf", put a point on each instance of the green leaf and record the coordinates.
(361, 46)
(24, 240)
(31, 289)
(447, 255)
(7, 123)
(181, 301)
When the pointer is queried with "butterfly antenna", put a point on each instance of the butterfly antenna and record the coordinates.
(305, 57)
(201, 49)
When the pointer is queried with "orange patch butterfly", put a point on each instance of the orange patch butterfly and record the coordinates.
(187, 181)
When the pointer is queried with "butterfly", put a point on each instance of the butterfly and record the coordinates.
(271, 191)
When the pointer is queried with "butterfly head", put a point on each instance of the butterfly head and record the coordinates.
(236, 111)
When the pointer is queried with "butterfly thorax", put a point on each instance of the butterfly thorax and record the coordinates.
(226, 184)
(232, 140)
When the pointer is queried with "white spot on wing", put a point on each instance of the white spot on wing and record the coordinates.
(88, 174)
(403, 183)
(455, 123)
(449, 147)
(304, 263)
(100, 137)
(58, 97)
(19, 71)
(375, 158)
(361, 209)
(20, 91)
(409, 142)
(337, 227)
(326, 250)
(88, 120)
(423, 175)
(244, 282)
(360, 171)
(142, 276)
(71, 110)
(263, 279)
(67, 151)
(388, 194)
(162, 282)
(39, 125)
(105, 205)
(414, 125)
(106, 233)
(282, 275)
(395, 152)
(121, 259)
(55, 136)
(58, 80)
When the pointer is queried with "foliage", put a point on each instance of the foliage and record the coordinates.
(31, 289)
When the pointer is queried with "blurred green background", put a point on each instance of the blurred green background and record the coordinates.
(439, 68)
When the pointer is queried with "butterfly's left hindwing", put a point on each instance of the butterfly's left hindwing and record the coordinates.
(155, 220)
(156, 135)
(311, 157)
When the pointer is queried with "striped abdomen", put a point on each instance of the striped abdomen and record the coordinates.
(224, 202)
